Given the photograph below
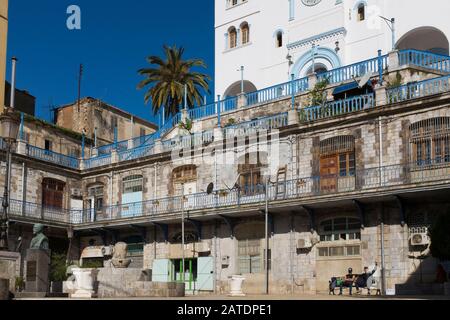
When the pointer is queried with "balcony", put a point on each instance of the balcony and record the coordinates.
(252, 127)
(367, 182)
(140, 147)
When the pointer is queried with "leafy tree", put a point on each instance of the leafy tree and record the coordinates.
(167, 79)
(58, 267)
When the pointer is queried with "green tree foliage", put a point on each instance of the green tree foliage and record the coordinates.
(167, 79)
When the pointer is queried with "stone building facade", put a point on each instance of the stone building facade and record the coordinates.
(350, 182)
(98, 119)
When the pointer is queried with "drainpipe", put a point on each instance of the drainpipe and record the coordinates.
(380, 151)
(383, 273)
(267, 237)
(154, 189)
(23, 188)
(13, 83)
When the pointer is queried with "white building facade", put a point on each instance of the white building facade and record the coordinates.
(273, 39)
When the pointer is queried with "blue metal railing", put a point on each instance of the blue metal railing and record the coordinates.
(278, 91)
(96, 162)
(364, 180)
(251, 127)
(53, 157)
(354, 70)
(425, 59)
(418, 89)
(170, 123)
(188, 141)
(337, 108)
(136, 153)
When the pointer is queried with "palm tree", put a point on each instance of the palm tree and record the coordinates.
(167, 80)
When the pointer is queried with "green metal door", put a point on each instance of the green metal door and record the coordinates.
(161, 270)
(205, 274)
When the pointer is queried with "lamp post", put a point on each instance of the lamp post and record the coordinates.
(182, 233)
(9, 125)
(391, 24)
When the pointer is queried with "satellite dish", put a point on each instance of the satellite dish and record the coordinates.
(210, 188)
(365, 78)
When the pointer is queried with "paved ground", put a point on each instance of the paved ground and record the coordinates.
(288, 297)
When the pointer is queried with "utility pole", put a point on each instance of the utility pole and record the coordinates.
(182, 232)
(267, 236)
(313, 50)
(242, 79)
(80, 75)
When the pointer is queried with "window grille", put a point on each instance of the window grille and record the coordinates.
(133, 184)
(336, 145)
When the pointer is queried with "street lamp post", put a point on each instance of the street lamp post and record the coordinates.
(391, 24)
(266, 232)
(9, 125)
(182, 233)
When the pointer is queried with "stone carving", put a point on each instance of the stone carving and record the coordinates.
(40, 241)
(119, 259)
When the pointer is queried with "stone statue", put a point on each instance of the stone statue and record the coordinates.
(119, 259)
(39, 241)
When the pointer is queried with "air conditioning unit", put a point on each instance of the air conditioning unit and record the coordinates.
(419, 236)
(304, 244)
(419, 239)
(108, 251)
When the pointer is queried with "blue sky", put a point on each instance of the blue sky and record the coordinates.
(115, 39)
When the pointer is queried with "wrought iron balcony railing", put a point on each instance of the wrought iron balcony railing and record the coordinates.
(389, 178)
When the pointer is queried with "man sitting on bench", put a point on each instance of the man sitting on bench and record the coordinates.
(362, 280)
(348, 281)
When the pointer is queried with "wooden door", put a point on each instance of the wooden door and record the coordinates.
(329, 167)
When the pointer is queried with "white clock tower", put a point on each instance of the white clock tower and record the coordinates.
(265, 41)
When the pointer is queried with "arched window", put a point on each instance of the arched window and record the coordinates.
(279, 42)
(337, 160)
(52, 193)
(430, 142)
(340, 229)
(232, 38)
(361, 15)
(245, 30)
(343, 234)
(185, 180)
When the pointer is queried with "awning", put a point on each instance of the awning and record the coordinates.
(349, 86)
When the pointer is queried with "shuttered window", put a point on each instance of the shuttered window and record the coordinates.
(52, 193)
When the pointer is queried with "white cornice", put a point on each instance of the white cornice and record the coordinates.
(317, 38)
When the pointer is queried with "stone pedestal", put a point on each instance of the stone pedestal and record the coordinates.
(37, 271)
(83, 286)
(241, 100)
(293, 117)
(4, 289)
(394, 63)
(10, 267)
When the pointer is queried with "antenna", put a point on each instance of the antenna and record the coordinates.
(80, 75)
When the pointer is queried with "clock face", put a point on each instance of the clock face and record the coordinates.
(311, 3)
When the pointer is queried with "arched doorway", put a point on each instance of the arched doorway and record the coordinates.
(426, 39)
(235, 89)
